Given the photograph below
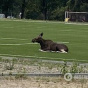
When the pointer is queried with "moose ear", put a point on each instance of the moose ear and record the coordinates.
(41, 34)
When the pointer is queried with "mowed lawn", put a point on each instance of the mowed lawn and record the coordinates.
(16, 36)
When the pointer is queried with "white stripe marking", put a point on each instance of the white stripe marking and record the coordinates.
(66, 30)
(8, 27)
(12, 39)
(24, 39)
(7, 38)
(41, 57)
(62, 42)
(17, 44)
(77, 23)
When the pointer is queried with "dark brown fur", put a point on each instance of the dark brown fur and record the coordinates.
(49, 45)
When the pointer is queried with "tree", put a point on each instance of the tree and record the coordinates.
(44, 4)
(23, 8)
(77, 5)
(84, 7)
(41, 9)
(6, 7)
(70, 5)
(32, 10)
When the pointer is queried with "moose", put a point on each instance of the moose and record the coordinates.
(49, 45)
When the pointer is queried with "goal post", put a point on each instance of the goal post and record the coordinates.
(76, 16)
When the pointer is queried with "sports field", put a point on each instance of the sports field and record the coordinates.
(16, 36)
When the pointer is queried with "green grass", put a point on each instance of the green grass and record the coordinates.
(76, 35)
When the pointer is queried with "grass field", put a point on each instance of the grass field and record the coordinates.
(16, 36)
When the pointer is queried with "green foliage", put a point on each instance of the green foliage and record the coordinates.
(41, 9)
(74, 68)
(84, 7)
(58, 14)
(9, 64)
(64, 69)
(21, 76)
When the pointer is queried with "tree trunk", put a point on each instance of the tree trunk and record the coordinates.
(23, 9)
(45, 9)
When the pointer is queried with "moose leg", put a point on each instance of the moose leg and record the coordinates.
(60, 50)
(42, 50)
(45, 49)
(63, 51)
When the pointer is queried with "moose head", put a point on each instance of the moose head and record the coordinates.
(38, 39)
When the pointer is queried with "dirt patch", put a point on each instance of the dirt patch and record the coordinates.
(10, 66)
(19, 65)
(42, 82)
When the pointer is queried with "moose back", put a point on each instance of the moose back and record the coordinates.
(49, 45)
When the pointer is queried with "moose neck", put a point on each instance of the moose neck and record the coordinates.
(42, 43)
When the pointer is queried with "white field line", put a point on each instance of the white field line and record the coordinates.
(62, 42)
(7, 38)
(66, 30)
(17, 44)
(23, 40)
(8, 27)
(12, 39)
(78, 23)
(38, 21)
(62, 59)
(26, 44)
